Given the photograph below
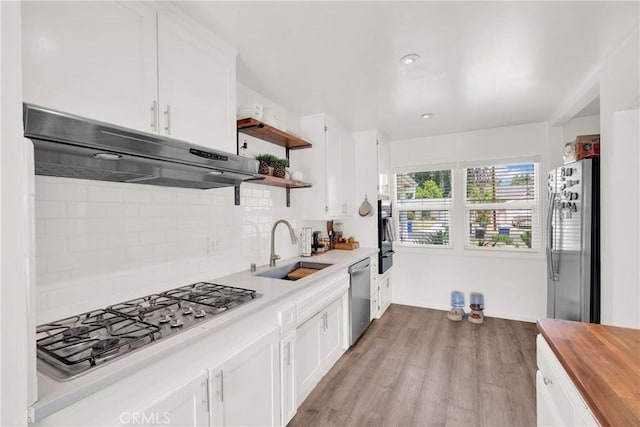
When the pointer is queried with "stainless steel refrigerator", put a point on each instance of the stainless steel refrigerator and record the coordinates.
(573, 242)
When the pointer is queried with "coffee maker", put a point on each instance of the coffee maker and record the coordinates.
(318, 245)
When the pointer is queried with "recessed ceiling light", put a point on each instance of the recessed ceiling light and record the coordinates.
(107, 156)
(215, 172)
(426, 115)
(409, 59)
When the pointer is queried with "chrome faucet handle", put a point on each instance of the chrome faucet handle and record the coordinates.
(272, 261)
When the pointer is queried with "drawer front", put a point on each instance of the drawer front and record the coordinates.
(287, 319)
(334, 288)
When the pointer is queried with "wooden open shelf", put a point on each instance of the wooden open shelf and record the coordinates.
(279, 182)
(263, 131)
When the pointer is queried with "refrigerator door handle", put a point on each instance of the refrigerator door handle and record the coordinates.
(553, 275)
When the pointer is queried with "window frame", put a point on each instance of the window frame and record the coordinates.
(529, 204)
(459, 209)
(425, 206)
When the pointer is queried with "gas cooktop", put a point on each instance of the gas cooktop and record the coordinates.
(73, 346)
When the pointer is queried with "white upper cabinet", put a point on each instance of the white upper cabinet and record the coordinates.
(93, 59)
(133, 66)
(328, 165)
(196, 88)
(384, 169)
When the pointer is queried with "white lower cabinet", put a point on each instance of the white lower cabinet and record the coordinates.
(319, 346)
(333, 333)
(375, 306)
(384, 293)
(309, 355)
(185, 405)
(288, 377)
(375, 287)
(245, 390)
(558, 401)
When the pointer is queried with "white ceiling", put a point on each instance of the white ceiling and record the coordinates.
(483, 65)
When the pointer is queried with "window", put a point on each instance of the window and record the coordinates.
(423, 202)
(502, 205)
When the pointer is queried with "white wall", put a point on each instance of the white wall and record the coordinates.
(620, 277)
(100, 242)
(586, 125)
(364, 229)
(620, 232)
(514, 285)
(17, 336)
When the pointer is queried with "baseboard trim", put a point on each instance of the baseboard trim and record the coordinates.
(508, 316)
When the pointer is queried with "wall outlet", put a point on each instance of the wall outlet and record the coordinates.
(212, 245)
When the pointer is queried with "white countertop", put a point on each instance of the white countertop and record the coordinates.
(54, 395)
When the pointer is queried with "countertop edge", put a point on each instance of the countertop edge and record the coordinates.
(48, 404)
(544, 325)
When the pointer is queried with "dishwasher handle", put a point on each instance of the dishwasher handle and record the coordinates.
(359, 266)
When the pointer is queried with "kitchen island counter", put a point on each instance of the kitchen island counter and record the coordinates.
(604, 364)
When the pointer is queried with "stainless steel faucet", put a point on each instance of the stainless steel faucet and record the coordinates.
(273, 258)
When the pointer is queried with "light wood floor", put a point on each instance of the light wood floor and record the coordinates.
(414, 367)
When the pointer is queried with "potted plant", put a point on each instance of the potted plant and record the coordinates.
(267, 162)
(280, 167)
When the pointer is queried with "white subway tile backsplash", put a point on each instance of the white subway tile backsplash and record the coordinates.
(62, 189)
(105, 225)
(52, 209)
(88, 242)
(136, 194)
(99, 243)
(65, 227)
(152, 237)
(103, 193)
(39, 189)
(135, 254)
(62, 262)
(51, 245)
(57, 277)
(164, 196)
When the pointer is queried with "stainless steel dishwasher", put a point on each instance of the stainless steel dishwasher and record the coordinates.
(359, 299)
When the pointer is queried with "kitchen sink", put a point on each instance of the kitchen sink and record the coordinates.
(283, 271)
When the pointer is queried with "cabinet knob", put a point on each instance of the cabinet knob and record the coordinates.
(547, 380)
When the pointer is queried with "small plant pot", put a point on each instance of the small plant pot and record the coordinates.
(270, 172)
(263, 168)
(279, 171)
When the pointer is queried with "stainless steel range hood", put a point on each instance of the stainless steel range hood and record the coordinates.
(76, 147)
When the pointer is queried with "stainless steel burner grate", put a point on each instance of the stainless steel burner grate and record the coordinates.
(72, 346)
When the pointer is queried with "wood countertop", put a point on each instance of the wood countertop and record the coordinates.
(604, 364)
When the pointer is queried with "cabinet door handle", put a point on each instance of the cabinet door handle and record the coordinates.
(326, 321)
(167, 120)
(154, 116)
(220, 392)
(206, 394)
(547, 380)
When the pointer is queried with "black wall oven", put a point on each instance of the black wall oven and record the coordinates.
(386, 236)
